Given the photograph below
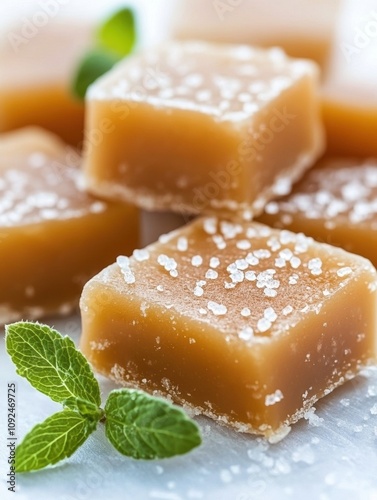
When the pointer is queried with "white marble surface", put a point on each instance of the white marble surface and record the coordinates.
(332, 456)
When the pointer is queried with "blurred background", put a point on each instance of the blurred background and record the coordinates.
(153, 13)
(340, 35)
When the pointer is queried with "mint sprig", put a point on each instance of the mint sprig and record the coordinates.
(115, 39)
(137, 424)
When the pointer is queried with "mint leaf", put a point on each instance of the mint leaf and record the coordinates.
(138, 425)
(49, 442)
(116, 39)
(51, 363)
(118, 33)
(92, 66)
(141, 426)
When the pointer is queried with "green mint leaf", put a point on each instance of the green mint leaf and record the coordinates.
(92, 66)
(56, 438)
(138, 425)
(51, 363)
(116, 39)
(141, 426)
(118, 33)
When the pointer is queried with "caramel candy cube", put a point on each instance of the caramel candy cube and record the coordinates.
(36, 78)
(350, 120)
(303, 28)
(53, 236)
(349, 93)
(195, 127)
(336, 203)
(250, 325)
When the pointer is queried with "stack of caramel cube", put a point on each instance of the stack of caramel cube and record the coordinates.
(253, 310)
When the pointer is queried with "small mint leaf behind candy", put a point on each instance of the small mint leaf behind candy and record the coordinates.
(92, 66)
(116, 38)
(56, 438)
(118, 33)
(51, 363)
(142, 426)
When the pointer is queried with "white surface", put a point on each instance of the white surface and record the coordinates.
(332, 457)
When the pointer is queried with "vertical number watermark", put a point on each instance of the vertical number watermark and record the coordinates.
(11, 437)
